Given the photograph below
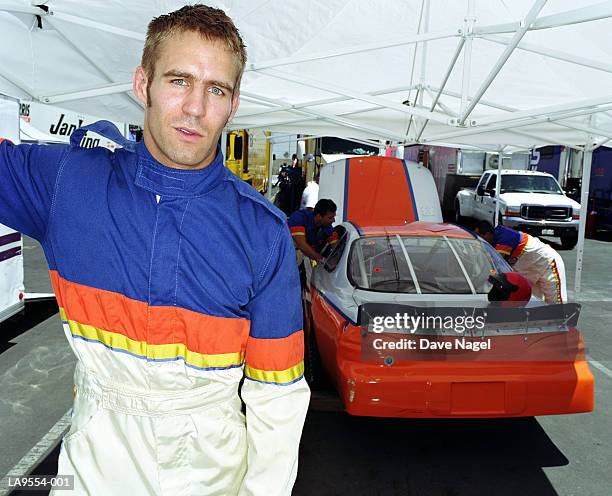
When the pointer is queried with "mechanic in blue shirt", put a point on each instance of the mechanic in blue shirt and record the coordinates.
(312, 229)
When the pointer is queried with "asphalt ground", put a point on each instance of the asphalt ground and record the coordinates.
(342, 455)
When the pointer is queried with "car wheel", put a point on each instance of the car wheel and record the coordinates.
(313, 368)
(568, 242)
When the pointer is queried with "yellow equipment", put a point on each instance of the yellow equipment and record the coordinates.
(248, 156)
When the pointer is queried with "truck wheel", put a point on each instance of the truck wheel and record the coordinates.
(459, 219)
(568, 242)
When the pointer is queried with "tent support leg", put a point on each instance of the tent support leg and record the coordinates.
(587, 160)
(497, 189)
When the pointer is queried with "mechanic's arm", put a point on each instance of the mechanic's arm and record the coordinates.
(274, 391)
(28, 175)
(305, 248)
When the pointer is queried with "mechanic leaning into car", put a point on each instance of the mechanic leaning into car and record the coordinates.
(312, 229)
(541, 265)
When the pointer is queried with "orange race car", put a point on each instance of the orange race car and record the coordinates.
(363, 305)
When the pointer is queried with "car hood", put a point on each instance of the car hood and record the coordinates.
(517, 199)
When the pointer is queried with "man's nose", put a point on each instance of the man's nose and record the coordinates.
(195, 102)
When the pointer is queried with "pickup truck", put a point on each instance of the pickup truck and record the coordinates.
(529, 201)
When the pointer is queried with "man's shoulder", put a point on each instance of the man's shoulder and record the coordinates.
(505, 232)
(36, 151)
(249, 195)
(300, 217)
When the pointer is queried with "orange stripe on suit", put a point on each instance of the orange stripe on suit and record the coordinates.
(275, 354)
(138, 321)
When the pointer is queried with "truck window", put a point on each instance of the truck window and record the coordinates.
(482, 183)
(492, 184)
(530, 184)
(483, 180)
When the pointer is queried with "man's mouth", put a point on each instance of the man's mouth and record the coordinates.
(191, 133)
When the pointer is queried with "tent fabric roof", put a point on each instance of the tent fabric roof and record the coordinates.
(344, 67)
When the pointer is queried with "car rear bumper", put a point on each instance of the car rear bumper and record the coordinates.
(545, 374)
(430, 389)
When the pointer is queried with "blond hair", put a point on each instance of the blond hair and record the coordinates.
(210, 23)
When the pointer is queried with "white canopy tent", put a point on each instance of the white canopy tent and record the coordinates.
(499, 75)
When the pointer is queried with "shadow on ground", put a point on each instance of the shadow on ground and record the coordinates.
(34, 313)
(344, 455)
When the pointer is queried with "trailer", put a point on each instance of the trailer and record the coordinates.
(566, 165)
(11, 245)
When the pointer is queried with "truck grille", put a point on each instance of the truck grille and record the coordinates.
(538, 212)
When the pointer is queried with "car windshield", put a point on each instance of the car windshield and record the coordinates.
(428, 265)
(529, 184)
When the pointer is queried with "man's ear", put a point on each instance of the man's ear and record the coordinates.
(139, 85)
(235, 103)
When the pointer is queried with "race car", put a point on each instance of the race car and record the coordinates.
(380, 276)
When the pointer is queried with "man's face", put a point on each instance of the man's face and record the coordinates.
(192, 95)
(326, 220)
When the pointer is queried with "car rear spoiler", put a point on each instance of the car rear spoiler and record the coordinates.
(497, 319)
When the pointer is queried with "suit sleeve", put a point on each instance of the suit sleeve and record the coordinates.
(297, 224)
(274, 391)
(28, 174)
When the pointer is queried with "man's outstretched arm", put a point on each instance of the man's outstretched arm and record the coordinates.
(275, 391)
(28, 174)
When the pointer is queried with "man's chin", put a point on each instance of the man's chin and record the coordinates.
(193, 161)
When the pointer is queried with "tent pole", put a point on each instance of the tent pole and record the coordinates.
(423, 16)
(379, 45)
(242, 123)
(480, 129)
(593, 12)
(129, 97)
(587, 160)
(518, 36)
(554, 54)
(424, 51)
(444, 81)
(582, 104)
(18, 84)
(326, 101)
(270, 166)
(103, 89)
(470, 20)
(356, 95)
(443, 107)
(586, 129)
(497, 189)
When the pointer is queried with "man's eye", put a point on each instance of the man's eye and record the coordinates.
(216, 91)
(179, 82)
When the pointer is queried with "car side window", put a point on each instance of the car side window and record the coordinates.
(336, 251)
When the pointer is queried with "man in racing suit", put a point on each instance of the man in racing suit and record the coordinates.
(312, 229)
(175, 280)
(541, 265)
